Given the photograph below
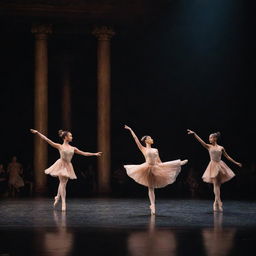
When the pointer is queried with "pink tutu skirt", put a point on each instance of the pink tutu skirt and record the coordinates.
(154, 176)
(61, 168)
(219, 169)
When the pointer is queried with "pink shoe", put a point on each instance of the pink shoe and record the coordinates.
(63, 207)
(215, 206)
(220, 206)
(56, 199)
(153, 210)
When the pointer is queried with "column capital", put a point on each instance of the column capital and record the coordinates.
(41, 30)
(103, 33)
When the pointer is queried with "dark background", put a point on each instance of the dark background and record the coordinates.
(193, 67)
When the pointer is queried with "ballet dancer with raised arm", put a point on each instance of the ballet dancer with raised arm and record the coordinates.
(63, 168)
(153, 173)
(217, 172)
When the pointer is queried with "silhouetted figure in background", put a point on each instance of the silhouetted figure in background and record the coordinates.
(192, 183)
(15, 180)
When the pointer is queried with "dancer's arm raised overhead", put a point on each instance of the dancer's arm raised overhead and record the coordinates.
(53, 144)
(80, 152)
(199, 139)
(140, 146)
(229, 158)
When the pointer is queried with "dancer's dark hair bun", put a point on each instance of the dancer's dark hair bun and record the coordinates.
(63, 134)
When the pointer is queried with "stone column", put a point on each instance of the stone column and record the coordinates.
(104, 35)
(41, 104)
(66, 94)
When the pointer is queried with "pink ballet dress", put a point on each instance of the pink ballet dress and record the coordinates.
(217, 167)
(63, 166)
(153, 173)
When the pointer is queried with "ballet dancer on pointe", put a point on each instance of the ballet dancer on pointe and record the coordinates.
(63, 168)
(217, 172)
(153, 173)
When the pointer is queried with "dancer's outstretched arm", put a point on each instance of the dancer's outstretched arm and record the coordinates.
(80, 152)
(199, 139)
(229, 158)
(140, 146)
(53, 144)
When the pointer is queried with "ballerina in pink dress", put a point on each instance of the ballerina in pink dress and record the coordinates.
(63, 168)
(153, 173)
(217, 172)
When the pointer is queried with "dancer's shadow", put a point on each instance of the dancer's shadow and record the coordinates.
(153, 241)
(218, 240)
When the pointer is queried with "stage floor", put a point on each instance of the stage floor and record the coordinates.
(125, 227)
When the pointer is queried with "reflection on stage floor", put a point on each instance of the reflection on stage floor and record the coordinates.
(125, 227)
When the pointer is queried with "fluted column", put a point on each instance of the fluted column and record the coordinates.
(41, 104)
(104, 35)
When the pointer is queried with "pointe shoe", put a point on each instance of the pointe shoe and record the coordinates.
(215, 206)
(183, 162)
(56, 199)
(153, 210)
(63, 207)
(220, 204)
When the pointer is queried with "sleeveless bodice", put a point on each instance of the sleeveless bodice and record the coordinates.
(66, 154)
(215, 154)
(151, 156)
